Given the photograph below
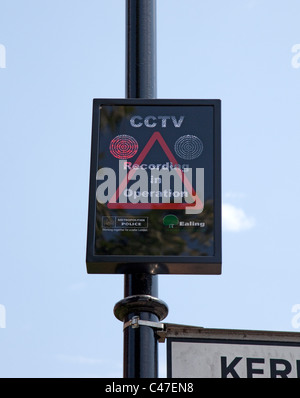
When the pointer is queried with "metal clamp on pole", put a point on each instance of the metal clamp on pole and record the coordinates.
(136, 322)
(143, 313)
(140, 303)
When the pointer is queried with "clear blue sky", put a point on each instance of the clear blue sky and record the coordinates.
(59, 55)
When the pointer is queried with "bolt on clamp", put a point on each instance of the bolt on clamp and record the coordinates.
(136, 322)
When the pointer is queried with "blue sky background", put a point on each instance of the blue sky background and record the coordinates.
(60, 55)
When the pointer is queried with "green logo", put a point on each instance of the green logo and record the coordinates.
(170, 220)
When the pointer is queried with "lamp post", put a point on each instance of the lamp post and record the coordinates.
(141, 289)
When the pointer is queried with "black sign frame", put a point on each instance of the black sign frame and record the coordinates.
(165, 264)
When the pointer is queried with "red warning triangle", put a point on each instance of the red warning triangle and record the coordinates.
(112, 204)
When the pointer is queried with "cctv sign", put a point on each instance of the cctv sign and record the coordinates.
(155, 187)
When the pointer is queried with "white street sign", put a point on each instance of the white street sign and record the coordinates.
(218, 353)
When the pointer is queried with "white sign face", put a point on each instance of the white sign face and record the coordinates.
(226, 359)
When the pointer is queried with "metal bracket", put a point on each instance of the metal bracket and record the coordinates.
(136, 322)
(140, 303)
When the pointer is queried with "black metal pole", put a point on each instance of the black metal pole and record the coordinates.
(140, 345)
(141, 290)
(141, 78)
